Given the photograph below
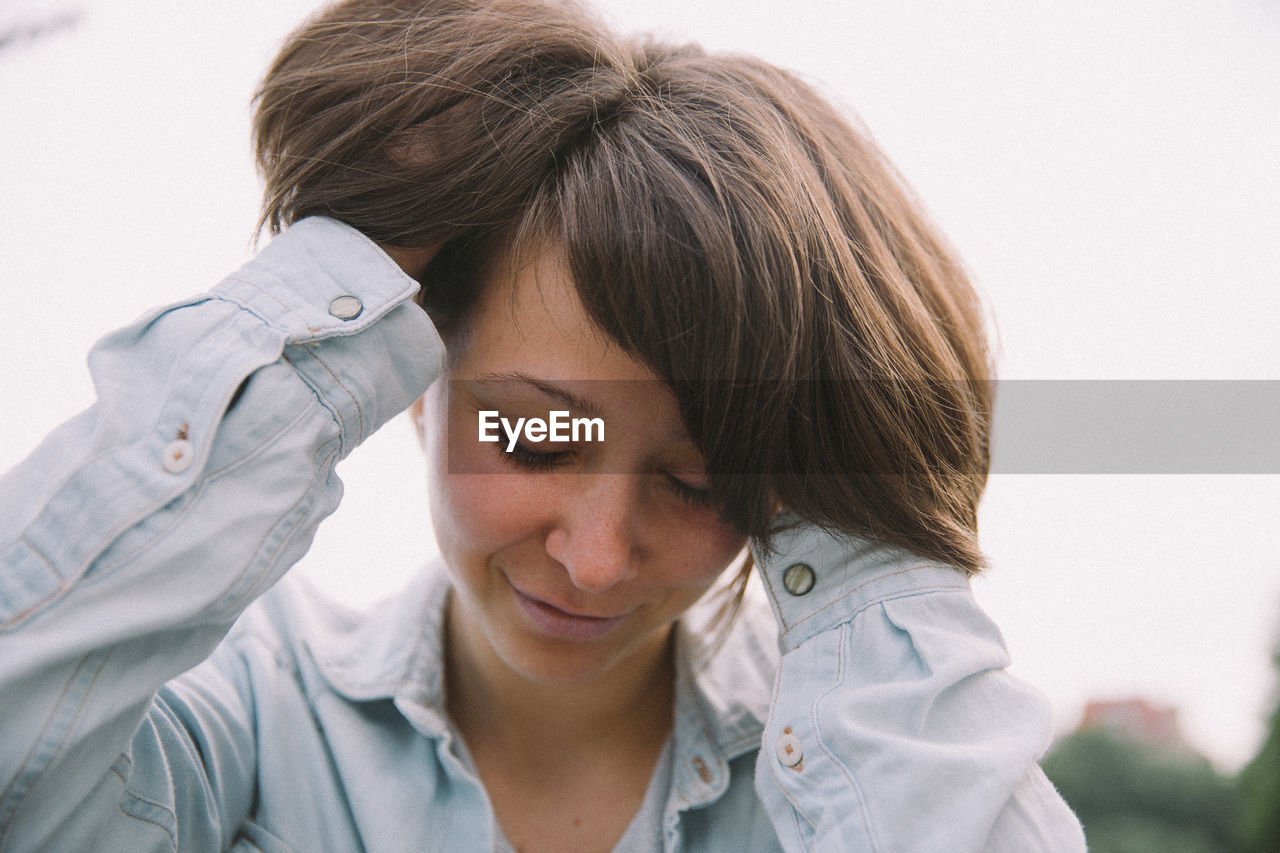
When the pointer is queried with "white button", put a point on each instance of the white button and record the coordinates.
(178, 456)
(345, 308)
(789, 751)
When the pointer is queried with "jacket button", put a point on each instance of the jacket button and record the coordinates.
(345, 308)
(178, 456)
(798, 579)
(789, 750)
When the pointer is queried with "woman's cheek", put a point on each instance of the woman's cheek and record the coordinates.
(701, 547)
(474, 495)
(491, 510)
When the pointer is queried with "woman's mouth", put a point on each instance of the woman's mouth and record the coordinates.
(563, 623)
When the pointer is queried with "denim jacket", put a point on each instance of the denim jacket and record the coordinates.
(155, 696)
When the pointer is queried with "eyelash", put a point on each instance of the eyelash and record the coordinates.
(533, 460)
(688, 494)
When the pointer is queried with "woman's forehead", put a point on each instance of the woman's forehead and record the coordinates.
(532, 342)
(530, 319)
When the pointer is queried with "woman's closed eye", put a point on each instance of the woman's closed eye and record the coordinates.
(693, 495)
(526, 458)
(534, 460)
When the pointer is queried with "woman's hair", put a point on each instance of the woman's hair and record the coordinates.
(721, 221)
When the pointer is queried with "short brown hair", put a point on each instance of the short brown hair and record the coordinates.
(722, 222)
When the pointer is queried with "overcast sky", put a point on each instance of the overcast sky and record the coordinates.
(1108, 171)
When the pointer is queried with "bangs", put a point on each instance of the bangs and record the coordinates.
(730, 230)
(684, 251)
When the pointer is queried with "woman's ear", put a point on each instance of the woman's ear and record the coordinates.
(418, 412)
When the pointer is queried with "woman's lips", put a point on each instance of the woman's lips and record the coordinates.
(562, 623)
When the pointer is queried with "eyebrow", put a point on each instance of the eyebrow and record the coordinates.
(573, 401)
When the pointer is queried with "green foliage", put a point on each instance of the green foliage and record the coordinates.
(1134, 797)
(1130, 834)
(1259, 787)
(1260, 796)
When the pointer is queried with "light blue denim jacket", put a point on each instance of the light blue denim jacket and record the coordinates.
(135, 717)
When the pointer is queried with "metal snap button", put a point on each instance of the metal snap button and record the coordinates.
(345, 308)
(178, 456)
(798, 579)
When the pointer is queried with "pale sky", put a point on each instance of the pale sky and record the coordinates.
(1108, 171)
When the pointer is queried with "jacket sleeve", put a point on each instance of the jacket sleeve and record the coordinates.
(133, 537)
(894, 725)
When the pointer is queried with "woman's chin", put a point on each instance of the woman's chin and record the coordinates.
(555, 663)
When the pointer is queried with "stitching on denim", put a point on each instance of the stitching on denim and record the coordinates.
(773, 596)
(20, 794)
(134, 795)
(111, 456)
(833, 756)
(840, 654)
(253, 285)
(36, 606)
(268, 441)
(354, 400)
(173, 841)
(13, 791)
(286, 525)
(330, 407)
(777, 774)
(867, 583)
(188, 501)
(103, 574)
(706, 729)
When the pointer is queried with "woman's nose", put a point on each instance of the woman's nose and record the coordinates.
(594, 534)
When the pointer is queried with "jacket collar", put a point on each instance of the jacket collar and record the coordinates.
(724, 681)
(395, 651)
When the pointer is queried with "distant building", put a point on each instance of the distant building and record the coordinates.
(1136, 719)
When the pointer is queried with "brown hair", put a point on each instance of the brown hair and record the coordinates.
(423, 121)
(722, 222)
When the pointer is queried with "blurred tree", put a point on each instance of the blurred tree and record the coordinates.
(1134, 797)
(1259, 786)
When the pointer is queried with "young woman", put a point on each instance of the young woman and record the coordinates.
(683, 329)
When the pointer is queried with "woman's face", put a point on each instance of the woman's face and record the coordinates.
(567, 557)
